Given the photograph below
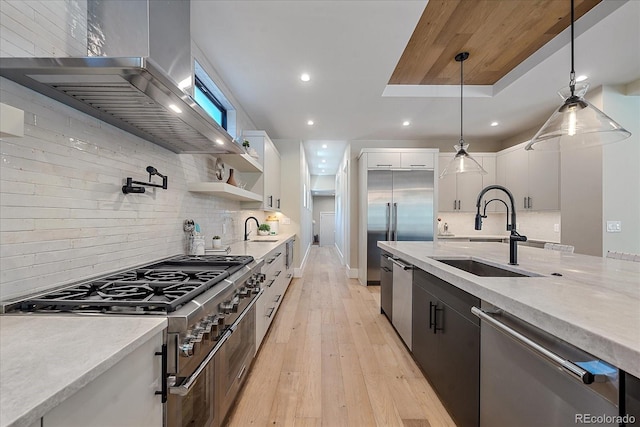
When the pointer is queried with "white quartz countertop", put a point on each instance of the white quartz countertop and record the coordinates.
(594, 305)
(44, 359)
(472, 236)
(260, 246)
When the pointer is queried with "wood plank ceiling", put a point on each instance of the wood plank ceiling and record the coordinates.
(498, 34)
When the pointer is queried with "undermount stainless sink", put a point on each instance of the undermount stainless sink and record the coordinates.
(479, 268)
(264, 241)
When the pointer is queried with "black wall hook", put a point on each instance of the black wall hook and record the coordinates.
(130, 188)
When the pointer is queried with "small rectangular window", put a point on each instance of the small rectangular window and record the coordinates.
(210, 104)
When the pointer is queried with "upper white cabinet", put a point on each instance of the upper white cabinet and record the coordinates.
(459, 193)
(403, 159)
(533, 177)
(268, 183)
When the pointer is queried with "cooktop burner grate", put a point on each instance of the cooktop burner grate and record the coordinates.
(160, 287)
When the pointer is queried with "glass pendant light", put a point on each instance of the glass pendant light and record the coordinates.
(577, 123)
(462, 162)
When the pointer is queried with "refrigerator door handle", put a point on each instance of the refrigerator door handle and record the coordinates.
(395, 222)
(388, 227)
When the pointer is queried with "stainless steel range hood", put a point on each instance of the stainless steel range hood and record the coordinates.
(144, 48)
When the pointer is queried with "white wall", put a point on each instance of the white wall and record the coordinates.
(621, 174)
(603, 183)
(324, 183)
(322, 204)
(295, 180)
(343, 212)
(63, 216)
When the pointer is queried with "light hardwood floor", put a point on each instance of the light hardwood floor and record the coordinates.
(331, 359)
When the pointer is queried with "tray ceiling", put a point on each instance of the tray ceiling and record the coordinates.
(498, 34)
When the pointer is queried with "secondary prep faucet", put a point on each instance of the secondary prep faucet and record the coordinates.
(514, 237)
(246, 235)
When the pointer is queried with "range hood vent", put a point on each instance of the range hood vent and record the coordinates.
(137, 52)
(132, 94)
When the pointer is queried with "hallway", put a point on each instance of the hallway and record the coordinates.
(331, 359)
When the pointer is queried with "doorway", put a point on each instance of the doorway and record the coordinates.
(327, 228)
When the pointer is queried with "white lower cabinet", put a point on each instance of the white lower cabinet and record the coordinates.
(123, 396)
(275, 286)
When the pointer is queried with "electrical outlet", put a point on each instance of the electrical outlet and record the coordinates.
(556, 228)
(614, 226)
(286, 220)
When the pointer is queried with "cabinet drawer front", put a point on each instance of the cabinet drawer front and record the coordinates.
(383, 160)
(459, 300)
(417, 160)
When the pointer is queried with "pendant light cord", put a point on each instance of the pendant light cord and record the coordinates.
(572, 76)
(461, 109)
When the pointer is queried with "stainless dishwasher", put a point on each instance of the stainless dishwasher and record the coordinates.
(529, 378)
(402, 295)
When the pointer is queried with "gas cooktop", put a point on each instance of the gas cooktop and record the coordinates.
(159, 287)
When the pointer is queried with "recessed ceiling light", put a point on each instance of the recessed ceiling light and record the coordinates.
(494, 124)
(305, 77)
(310, 122)
(175, 108)
(324, 145)
(324, 161)
(581, 78)
(406, 123)
(322, 170)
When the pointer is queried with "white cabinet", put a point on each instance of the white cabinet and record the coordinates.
(533, 177)
(122, 396)
(266, 184)
(403, 159)
(459, 192)
(267, 305)
(277, 279)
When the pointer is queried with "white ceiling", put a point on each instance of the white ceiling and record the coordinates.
(350, 48)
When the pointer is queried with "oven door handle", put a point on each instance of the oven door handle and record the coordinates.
(184, 388)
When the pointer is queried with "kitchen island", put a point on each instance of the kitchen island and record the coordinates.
(594, 303)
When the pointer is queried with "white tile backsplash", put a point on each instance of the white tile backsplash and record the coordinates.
(535, 225)
(64, 216)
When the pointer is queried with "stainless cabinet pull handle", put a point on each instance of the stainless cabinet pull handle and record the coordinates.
(277, 273)
(277, 298)
(399, 264)
(380, 166)
(576, 371)
(270, 311)
(244, 368)
(418, 166)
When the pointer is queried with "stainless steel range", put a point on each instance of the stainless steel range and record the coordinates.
(209, 304)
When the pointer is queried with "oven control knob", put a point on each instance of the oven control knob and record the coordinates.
(186, 348)
(262, 277)
(244, 292)
(226, 307)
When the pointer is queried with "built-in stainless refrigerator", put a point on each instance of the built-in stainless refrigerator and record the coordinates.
(400, 207)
